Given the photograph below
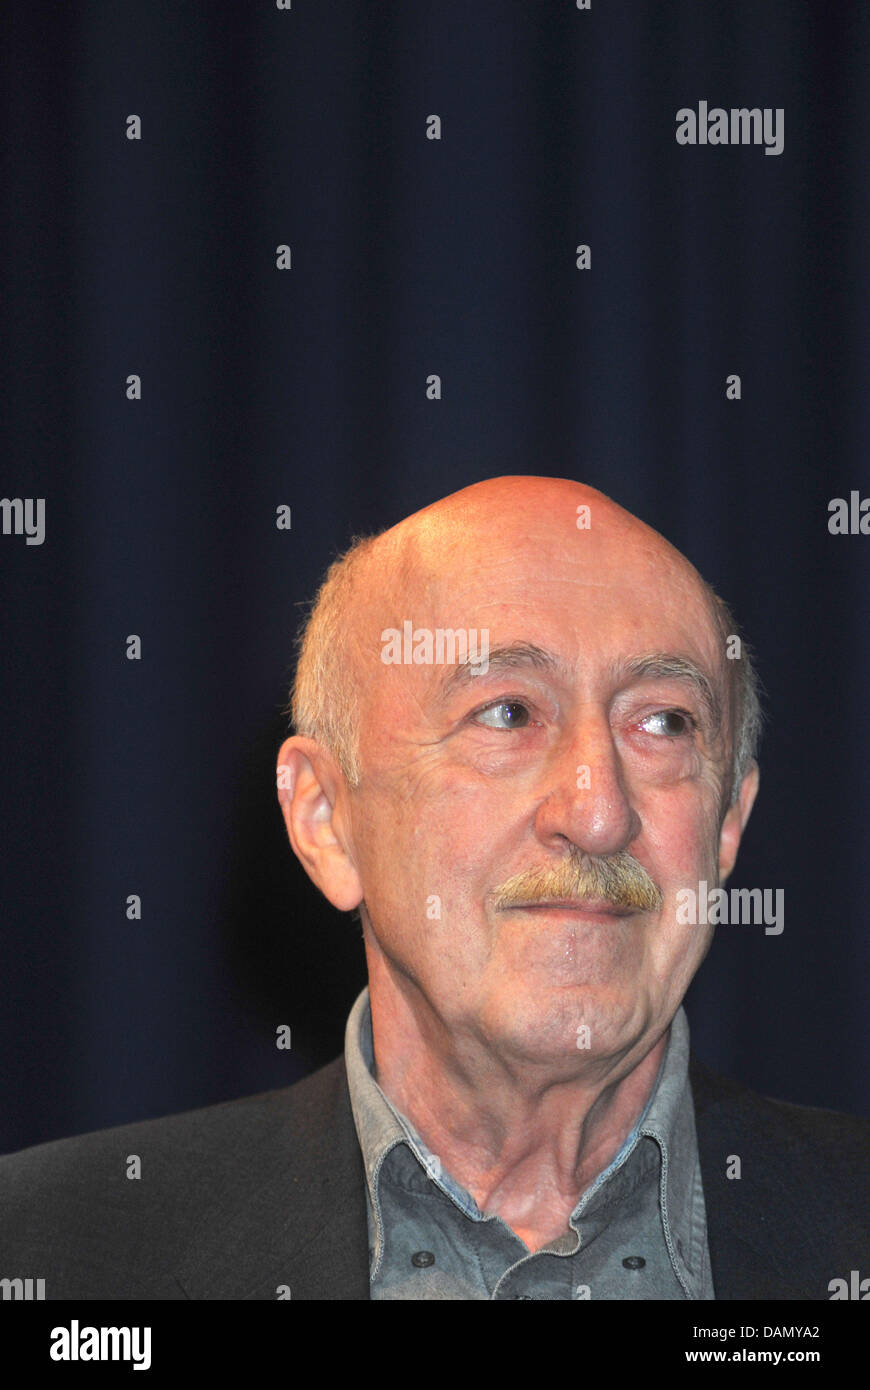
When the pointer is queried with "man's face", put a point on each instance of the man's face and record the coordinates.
(559, 751)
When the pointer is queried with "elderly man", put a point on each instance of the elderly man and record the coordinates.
(525, 726)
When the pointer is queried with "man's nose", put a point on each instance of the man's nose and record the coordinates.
(588, 803)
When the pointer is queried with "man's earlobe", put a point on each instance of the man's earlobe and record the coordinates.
(309, 785)
(735, 822)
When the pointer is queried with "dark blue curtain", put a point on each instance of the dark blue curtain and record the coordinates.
(306, 127)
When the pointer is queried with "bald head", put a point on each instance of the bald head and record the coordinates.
(474, 559)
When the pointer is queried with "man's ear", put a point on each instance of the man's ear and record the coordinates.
(735, 822)
(309, 782)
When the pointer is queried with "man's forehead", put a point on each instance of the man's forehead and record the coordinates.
(555, 531)
(454, 575)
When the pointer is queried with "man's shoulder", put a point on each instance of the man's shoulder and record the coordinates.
(786, 1187)
(295, 1113)
(119, 1208)
(724, 1104)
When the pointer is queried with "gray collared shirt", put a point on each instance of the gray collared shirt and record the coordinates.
(638, 1232)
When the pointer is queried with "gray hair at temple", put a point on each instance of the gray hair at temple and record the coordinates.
(324, 704)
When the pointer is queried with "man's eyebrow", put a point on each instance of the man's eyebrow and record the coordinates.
(662, 666)
(511, 656)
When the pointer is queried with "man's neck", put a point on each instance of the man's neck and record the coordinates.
(525, 1145)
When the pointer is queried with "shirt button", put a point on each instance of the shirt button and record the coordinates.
(634, 1262)
(421, 1259)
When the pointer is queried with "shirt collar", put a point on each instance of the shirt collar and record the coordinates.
(670, 1121)
(379, 1125)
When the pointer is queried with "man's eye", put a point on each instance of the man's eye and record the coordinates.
(506, 714)
(673, 723)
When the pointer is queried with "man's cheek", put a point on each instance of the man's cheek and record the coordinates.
(449, 807)
(454, 848)
(454, 859)
(683, 847)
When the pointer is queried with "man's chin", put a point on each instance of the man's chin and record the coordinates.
(567, 1024)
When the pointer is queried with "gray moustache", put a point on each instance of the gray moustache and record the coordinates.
(619, 879)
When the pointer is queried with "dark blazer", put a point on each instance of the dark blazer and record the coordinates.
(236, 1200)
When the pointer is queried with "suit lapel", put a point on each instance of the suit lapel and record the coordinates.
(301, 1223)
